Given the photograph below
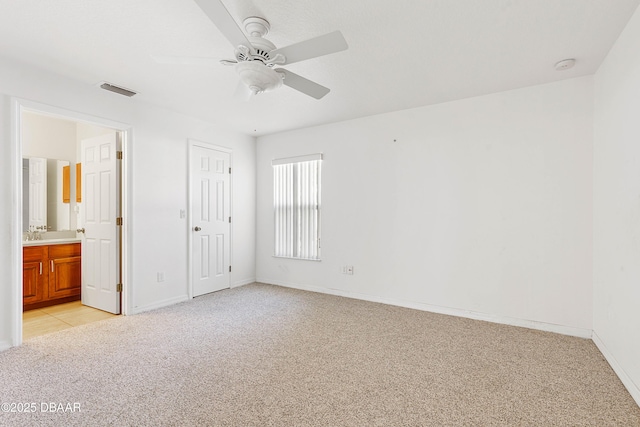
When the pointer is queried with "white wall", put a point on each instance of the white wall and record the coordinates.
(479, 207)
(616, 208)
(48, 137)
(158, 155)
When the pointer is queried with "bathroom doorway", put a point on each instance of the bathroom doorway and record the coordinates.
(79, 268)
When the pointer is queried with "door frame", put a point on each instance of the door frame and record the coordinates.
(191, 144)
(18, 106)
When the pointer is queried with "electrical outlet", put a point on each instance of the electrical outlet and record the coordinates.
(160, 276)
(347, 269)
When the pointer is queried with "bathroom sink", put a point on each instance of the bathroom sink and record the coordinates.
(50, 241)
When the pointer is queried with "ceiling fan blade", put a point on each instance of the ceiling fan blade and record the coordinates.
(221, 17)
(303, 85)
(312, 48)
(184, 60)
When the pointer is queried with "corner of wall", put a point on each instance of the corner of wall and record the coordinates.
(631, 386)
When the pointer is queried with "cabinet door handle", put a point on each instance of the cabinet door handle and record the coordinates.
(51, 261)
(41, 268)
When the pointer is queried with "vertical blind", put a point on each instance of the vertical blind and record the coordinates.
(296, 203)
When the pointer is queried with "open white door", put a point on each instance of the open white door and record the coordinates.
(100, 211)
(210, 219)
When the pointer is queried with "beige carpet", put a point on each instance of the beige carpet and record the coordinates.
(261, 355)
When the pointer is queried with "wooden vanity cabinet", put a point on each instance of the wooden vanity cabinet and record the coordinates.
(65, 270)
(52, 274)
(35, 277)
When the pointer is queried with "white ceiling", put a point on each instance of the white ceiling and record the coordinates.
(402, 54)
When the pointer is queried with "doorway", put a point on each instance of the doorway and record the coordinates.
(80, 207)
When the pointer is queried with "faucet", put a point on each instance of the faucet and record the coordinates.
(35, 233)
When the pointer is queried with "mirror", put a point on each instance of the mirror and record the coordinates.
(46, 194)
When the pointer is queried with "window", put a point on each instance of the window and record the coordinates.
(296, 204)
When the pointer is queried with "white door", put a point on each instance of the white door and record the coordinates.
(210, 219)
(99, 212)
(37, 194)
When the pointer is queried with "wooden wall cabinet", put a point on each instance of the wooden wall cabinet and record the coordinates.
(51, 274)
(78, 182)
(66, 184)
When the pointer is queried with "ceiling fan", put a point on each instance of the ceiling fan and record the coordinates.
(257, 60)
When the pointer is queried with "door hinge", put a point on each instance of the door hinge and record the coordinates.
(119, 220)
(229, 269)
(119, 287)
(119, 155)
(229, 170)
(229, 220)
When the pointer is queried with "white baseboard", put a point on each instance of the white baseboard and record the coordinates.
(5, 345)
(160, 304)
(531, 324)
(632, 387)
(243, 282)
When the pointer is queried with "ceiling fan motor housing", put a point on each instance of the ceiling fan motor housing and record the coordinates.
(261, 49)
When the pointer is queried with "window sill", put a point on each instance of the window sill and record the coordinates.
(298, 259)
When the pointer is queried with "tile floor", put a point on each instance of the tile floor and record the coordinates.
(58, 317)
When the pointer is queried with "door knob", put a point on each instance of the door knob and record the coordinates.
(80, 230)
(197, 228)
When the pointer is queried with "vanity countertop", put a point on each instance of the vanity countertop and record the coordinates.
(50, 241)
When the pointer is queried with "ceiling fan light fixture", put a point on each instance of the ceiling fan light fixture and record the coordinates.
(258, 77)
